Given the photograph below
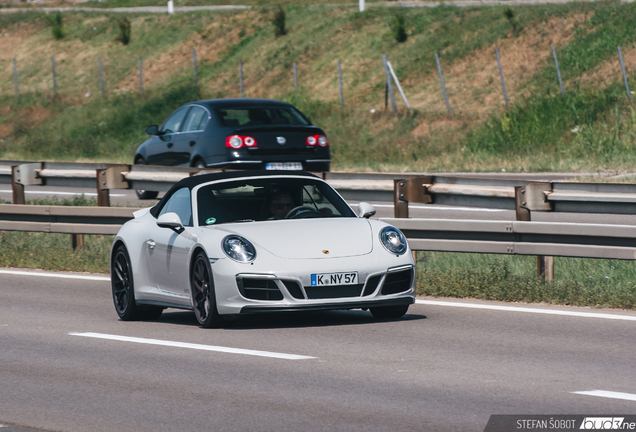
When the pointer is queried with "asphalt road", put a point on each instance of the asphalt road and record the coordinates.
(441, 368)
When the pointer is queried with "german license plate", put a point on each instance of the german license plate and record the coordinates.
(327, 279)
(289, 166)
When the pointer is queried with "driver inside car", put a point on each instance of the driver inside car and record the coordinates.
(281, 203)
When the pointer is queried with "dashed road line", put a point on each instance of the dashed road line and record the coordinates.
(528, 310)
(608, 394)
(194, 346)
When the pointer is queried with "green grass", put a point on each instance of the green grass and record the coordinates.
(53, 252)
(578, 281)
(536, 134)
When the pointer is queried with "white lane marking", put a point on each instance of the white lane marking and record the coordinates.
(194, 346)
(529, 310)
(54, 275)
(608, 394)
(61, 193)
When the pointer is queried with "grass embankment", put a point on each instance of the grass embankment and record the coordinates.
(49, 251)
(578, 281)
(592, 128)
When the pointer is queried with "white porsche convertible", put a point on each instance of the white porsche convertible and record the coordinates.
(258, 241)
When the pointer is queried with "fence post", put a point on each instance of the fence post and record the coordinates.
(556, 63)
(340, 85)
(196, 73)
(141, 81)
(296, 84)
(15, 76)
(54, 76)
(101, 76)
(241, 76)
(397, 83)
(389, 85)
(620, 56)
(441, 79)
(503, 83)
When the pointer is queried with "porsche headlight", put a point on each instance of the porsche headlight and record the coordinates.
(393, 240)
(239, 248)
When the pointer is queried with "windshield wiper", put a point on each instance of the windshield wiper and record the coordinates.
(244, 220)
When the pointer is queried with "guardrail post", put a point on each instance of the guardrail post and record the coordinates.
(107, 179)
(525, 199)
(400, 204)
(18, 189)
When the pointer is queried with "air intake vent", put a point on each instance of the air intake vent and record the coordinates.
(259, 289)
(294, 289)
(372, 284)
(397, 282)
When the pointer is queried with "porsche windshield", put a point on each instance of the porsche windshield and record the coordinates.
(268, 199)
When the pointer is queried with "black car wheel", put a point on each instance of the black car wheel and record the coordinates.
(203, 298)
(144, 194)
(121, 279)
(389, 312)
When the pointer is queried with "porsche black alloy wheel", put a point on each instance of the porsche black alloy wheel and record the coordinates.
(203, 298)
(389, 312)
(123, 288)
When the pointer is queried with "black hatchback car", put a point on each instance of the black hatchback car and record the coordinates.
(238, 134)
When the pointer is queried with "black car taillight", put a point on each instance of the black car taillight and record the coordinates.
(238, 141)
(320, 140)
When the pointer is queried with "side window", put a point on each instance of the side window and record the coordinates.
(197, 118)
(173, 124)
(180, 204)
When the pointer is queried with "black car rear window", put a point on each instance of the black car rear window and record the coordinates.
(261, 116)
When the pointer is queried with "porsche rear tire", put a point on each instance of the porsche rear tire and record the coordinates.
(203, 297)
(389, 312)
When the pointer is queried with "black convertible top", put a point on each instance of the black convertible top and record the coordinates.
(191, 182)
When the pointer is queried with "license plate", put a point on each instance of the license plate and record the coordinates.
(290, 166)
(327, 279)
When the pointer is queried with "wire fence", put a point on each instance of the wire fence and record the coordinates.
(39, 80)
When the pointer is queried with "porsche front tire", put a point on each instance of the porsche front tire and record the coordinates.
(203, 297)
(123, 287)
(389, 312)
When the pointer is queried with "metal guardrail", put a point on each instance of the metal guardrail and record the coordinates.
(466, 190)
(64, 219)
(520, 238)
(522, 195)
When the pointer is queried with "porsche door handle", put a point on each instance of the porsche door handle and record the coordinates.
(192, 143)
(170, 145)
(151, 244)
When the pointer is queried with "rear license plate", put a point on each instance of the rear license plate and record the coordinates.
(290, 166)
(327, 279)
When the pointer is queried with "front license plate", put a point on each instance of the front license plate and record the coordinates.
(290, 166)
(327, 279)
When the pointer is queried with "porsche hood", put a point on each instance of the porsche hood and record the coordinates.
(308, 238)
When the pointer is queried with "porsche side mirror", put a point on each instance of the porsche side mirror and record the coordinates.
(365, 210)
(152, 130)
(170, 220)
